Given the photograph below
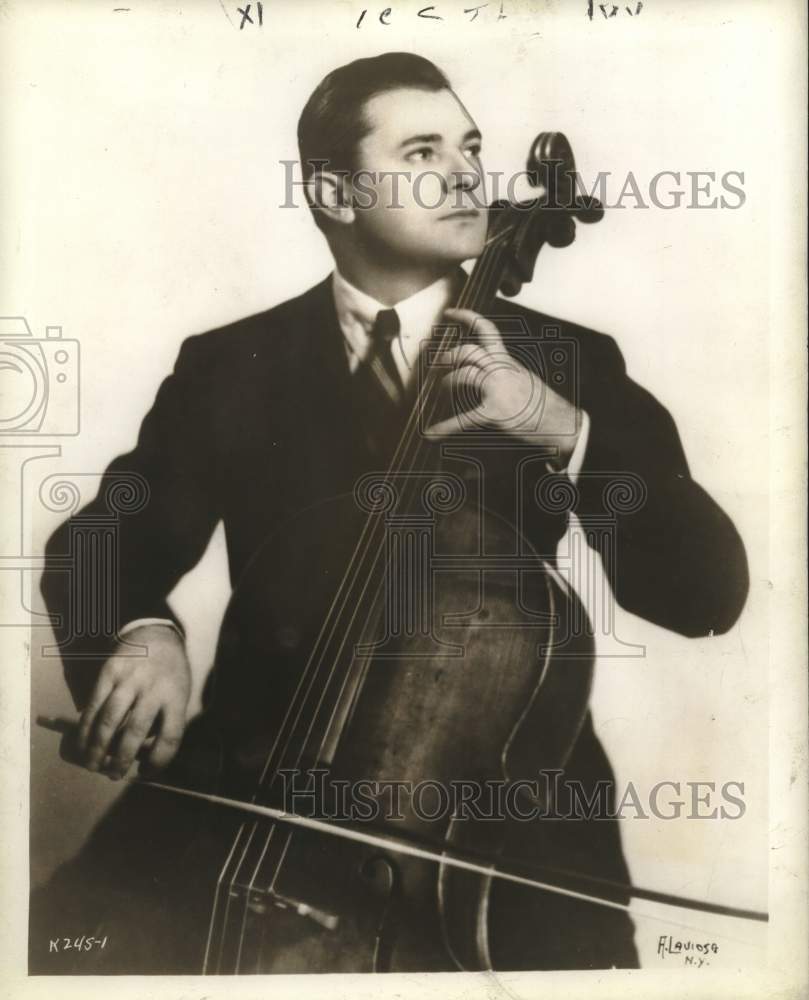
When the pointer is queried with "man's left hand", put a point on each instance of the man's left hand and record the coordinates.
(508, 396)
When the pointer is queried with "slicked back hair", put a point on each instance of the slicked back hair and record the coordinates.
(333, 121)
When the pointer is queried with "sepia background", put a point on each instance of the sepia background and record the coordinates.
(145, 190)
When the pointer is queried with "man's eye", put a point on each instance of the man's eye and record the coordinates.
(421, 154)
(472, 152)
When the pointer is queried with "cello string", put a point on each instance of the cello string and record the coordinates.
(482, 276)
(356, 558)
(336, 702)
(249, 889)
(357, 606)
(209, 941)
(247, 892)
(229, 897)
(490, 265)
(360, 557)
(497, 244)
(401, 846)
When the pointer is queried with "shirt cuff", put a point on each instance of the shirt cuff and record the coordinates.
(576, 460)
(131, 626)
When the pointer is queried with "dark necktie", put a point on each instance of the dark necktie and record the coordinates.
(380, 387)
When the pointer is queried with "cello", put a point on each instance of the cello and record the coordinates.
(434, 662)
(436, 649)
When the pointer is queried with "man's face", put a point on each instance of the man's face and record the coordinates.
(419, 185)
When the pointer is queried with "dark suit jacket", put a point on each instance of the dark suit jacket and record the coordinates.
(258, 421)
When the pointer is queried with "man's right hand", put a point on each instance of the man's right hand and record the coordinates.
(131, 694)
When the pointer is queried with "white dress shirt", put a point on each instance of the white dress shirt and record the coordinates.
(418, 314)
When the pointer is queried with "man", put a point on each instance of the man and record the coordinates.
(278, 411)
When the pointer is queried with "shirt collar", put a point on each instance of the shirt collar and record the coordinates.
(418, 313)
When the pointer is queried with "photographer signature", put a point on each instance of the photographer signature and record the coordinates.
(694, 953)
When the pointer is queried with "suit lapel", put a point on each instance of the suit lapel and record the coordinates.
(334, 440)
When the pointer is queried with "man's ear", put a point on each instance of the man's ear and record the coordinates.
(328, 194)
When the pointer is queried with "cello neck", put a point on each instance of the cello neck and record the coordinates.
(476, 294)
(484, 281)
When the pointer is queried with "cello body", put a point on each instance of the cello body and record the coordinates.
(448, 682)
